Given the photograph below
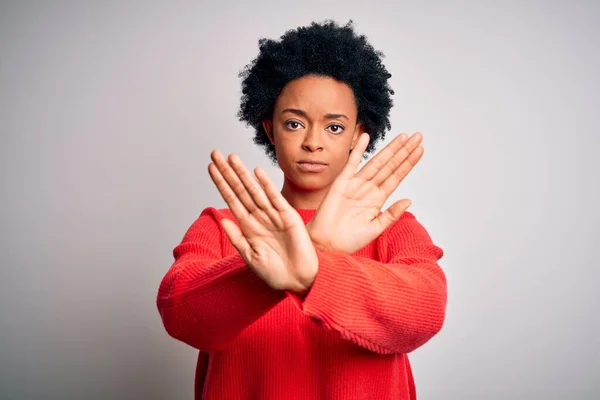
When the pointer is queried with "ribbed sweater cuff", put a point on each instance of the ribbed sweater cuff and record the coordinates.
(323, 294)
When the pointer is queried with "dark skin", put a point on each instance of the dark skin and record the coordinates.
(314, 118)
(310, 126)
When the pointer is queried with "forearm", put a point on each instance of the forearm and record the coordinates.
(208, 304)
(387, 308)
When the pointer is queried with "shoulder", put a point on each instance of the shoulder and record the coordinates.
(217, 214)
(407, 224)
(407, 232)
(203, 236)
(207, 225)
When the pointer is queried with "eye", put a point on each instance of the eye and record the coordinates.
(293, 125)
(336, 129)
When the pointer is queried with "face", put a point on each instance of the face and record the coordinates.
(313, 128)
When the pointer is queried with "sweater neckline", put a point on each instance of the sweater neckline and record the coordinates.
(306, 213)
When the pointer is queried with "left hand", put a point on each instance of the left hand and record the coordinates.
(349, 217)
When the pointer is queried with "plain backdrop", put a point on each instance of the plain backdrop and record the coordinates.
(108, 112)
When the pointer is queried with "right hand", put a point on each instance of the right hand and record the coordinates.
(272, 238)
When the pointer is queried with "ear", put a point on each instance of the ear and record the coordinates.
(358, 130)
(268, 127)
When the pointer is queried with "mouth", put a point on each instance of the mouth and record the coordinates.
(312, 165)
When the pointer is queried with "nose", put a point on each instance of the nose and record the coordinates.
(312, 140)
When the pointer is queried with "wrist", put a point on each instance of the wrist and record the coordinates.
(304, 285)
(318, 242)
(308, 279)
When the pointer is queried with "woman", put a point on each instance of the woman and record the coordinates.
(310, 292)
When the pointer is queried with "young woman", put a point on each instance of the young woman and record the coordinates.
(311, 291)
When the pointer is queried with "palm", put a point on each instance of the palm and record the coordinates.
(349, 216)
(270, 236)
(276, 245)
(348, 210)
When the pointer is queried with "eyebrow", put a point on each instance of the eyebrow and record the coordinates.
(303, 113)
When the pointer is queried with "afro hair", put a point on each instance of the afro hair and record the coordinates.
(322, 49)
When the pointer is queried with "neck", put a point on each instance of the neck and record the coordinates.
(302, 199)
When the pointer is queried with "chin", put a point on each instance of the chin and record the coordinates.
(309, 183)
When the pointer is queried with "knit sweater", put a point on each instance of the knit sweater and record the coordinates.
(346, 338)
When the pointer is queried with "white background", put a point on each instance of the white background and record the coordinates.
(108, 112)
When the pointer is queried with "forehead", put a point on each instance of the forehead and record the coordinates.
(318, 95)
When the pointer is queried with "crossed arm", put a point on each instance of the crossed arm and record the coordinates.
(389, 307)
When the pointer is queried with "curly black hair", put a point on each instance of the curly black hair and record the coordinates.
(322, 49)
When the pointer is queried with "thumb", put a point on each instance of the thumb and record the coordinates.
(356, 156)
(392, 214)
(235, 236)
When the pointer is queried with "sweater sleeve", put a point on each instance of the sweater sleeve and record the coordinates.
(391, 306)
(206, 299)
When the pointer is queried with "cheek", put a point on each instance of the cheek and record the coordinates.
(281, 152)
(287, 147)
(340, 157)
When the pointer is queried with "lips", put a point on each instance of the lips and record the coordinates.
(312, 165)
(312, 162)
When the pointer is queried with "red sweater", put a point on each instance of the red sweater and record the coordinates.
(347, 338)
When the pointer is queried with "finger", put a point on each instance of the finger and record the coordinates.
(392, 181)
(381, 158)
(397, 159)
(276, 198)
(233, 180)
(235, 205)
(237, 239)
(356, 155)
(391, 215)
(256, 191)
(252, 186)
